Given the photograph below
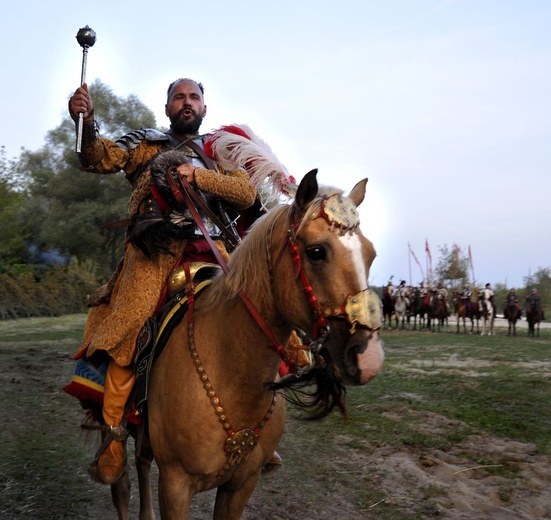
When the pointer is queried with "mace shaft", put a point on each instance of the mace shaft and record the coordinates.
(80, 124)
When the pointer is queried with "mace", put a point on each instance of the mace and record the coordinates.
(86, 37)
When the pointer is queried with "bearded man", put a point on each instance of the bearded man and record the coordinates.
(158, 235)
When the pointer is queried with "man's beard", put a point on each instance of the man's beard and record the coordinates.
(186, 126)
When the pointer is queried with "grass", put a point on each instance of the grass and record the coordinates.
(435, 392)
(490, 384)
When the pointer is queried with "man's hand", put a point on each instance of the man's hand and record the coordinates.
(81, 102)
(186, 171)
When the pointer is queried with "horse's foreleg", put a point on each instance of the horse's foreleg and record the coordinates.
(464, 326)
(174, 493)
(231, 501)
(120, 494)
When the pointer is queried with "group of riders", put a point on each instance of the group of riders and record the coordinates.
(460, 297)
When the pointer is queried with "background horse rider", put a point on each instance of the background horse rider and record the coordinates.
(511, 300)
(488, 295)
(465, 297)
(402, 291)
(533, 301)
(442, 293)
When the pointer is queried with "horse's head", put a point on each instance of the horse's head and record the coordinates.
(329, 297)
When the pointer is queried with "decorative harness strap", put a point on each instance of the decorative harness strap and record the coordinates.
(239, 443)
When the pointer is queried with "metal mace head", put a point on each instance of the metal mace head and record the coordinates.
(86, 37)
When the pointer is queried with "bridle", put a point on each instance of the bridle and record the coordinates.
(361, 310)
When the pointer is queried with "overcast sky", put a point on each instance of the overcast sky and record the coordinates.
(444, 105)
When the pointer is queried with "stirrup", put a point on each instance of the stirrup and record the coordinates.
(114, 433)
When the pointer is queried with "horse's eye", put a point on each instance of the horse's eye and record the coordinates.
(316, 253)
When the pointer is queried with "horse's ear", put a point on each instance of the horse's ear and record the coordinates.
(357, 193)
(307, 189)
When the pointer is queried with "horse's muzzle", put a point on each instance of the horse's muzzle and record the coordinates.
(363, 357)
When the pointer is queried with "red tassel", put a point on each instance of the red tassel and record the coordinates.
(84, 393)
(134, 417)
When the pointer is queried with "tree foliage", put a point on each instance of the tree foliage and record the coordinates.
(541, 281)
(452, 269)
(13, 229)
(54, 249)
(32, 290)
(67, 208)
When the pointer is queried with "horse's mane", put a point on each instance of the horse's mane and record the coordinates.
(249, 269)
(248, 264)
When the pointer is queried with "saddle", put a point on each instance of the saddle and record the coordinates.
(156, 331)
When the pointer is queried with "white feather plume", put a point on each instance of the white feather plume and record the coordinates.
(267, 174)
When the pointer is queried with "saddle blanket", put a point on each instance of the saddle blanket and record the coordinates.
(88, 383)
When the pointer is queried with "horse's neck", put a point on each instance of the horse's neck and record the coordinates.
(230, 335)
(234, 328)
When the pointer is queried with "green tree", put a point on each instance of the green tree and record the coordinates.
(452, 269)
(67, 208)
(13, 231)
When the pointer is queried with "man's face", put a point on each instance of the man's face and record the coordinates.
(185, 107)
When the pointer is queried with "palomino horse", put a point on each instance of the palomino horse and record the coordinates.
(534, 316)
(215, 412)
(512, 311)
(487, 311)
(400, 310)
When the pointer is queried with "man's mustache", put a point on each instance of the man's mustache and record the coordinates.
(181, 112)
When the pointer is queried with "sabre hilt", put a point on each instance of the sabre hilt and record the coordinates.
(86, 37)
